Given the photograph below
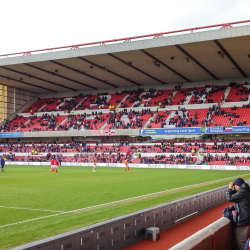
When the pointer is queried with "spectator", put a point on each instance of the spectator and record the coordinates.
(239, 193)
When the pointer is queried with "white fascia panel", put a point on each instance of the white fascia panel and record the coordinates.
(136, 45)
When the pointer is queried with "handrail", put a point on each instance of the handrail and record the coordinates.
(127, 39)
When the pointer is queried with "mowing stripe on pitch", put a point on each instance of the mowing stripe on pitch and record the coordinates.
(145, 195)
(109, 203)
(33, 209)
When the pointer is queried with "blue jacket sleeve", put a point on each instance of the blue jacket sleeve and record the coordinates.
(247, 245)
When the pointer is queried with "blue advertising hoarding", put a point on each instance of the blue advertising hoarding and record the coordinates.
(234, 129)
(163, 131)
(206, 130)
(12, 134)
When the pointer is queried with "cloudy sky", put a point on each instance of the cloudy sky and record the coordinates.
(37, 24)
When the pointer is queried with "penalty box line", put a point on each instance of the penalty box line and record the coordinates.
(110, 203)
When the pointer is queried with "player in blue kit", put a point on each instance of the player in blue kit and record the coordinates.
(2, 163)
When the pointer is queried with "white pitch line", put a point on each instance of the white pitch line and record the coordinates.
(85, 208)
(20, 222)
(31, 209)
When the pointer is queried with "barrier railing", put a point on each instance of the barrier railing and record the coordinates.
(217, 236)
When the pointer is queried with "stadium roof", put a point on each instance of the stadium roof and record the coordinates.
(171, 57)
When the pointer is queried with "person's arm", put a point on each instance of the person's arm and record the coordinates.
(233, 196)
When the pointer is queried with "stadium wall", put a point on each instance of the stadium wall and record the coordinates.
(23, 107)
(126, 230)
(70, 133)
(121, 165)
(13, 101)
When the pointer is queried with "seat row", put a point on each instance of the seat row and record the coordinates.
(142, 98)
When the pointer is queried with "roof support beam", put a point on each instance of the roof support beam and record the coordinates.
(55, 74)
(83, 73)
(165, 65)
(111, 72)
(38, 78)
(230, 58)
(198, 63)
(133, 67)
(30, 84)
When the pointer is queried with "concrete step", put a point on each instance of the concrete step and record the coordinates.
(104, 125)
(227, 91)
(199, 150)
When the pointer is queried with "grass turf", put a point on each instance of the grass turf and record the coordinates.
(34, 187)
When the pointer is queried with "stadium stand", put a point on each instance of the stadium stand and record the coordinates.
(160, 152)
(128, 119)
(84, 121)
(226, 160)
(238, 93)
(45, 122)
(14, 124)
(110, 111)
(162, 159)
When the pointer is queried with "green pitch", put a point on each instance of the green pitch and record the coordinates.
(35, 204)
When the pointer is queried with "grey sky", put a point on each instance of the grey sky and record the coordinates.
(38, 24)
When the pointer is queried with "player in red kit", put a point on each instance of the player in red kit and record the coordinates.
(126, 166)
(95, 161)
(54, 165)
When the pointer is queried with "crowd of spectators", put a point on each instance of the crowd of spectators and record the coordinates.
(46, 122)
(115, 158)
(172, 159)
(9, 125)
(240, 90)
(134, 118)
(170, 147)
(198, 94)
(82, 121)
(216, 110)
(68, 104)
(116, 152)
(137, 95)
(182, 118)
(75, 146)
(159, 118)
(229, 147)
(48, 102)
(228, 160)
